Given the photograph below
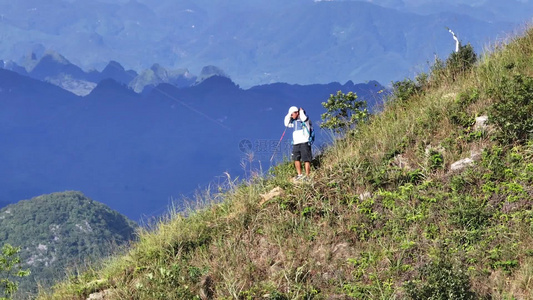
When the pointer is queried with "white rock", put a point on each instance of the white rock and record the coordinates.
(481, 123)
(275, 192)
(365, 195)
(461, 164)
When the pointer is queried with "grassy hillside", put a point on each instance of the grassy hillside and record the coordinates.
(60, 231)
(387, 215)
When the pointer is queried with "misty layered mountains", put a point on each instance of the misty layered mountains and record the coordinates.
(257, 42)
(54, 68)
(486, 10)
(138, 153)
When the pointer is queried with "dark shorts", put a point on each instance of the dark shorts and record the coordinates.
(302, 152)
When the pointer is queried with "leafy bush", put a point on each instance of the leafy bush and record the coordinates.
(277, 296)
(343, 112)
(435, 160)
(457, 64)
(513, 112)
(458, 111)
(460, 62)
(493, 160)
(469, 213)
(10, 268)
(405, 89)
(440, 280)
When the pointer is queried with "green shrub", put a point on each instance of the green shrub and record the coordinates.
(275, 295)
(457, 64)
(405, 89)
(10, 268)
(343, 112)
(458, 111)
(440, 281)
(494, 160)
(415, 176)
(513, 111)
(469, 213)
(435, 160)
(460, 62)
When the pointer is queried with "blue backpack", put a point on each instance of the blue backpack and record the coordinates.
(310, 131)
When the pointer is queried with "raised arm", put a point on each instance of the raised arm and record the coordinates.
(303, 116)
(287, 121)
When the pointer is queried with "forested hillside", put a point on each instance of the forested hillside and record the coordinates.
(60, 233)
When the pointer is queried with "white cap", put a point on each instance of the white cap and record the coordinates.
(293, 109)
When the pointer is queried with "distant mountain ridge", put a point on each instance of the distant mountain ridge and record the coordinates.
(487, 10)
(140, 152)
(54, 68)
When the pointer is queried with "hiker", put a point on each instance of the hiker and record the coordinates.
(301, 139)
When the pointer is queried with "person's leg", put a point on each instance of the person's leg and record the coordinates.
(296, 155)
(298, 166)
(307, 156)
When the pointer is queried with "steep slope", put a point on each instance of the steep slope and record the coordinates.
(61, 232)
(423, 201)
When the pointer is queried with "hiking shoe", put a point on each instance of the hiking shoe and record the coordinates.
(299, 177)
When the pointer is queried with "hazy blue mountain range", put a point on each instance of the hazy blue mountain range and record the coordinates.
(54, 68)
(256, 42)
(487, 10)
(139, 152)
(59, 232)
